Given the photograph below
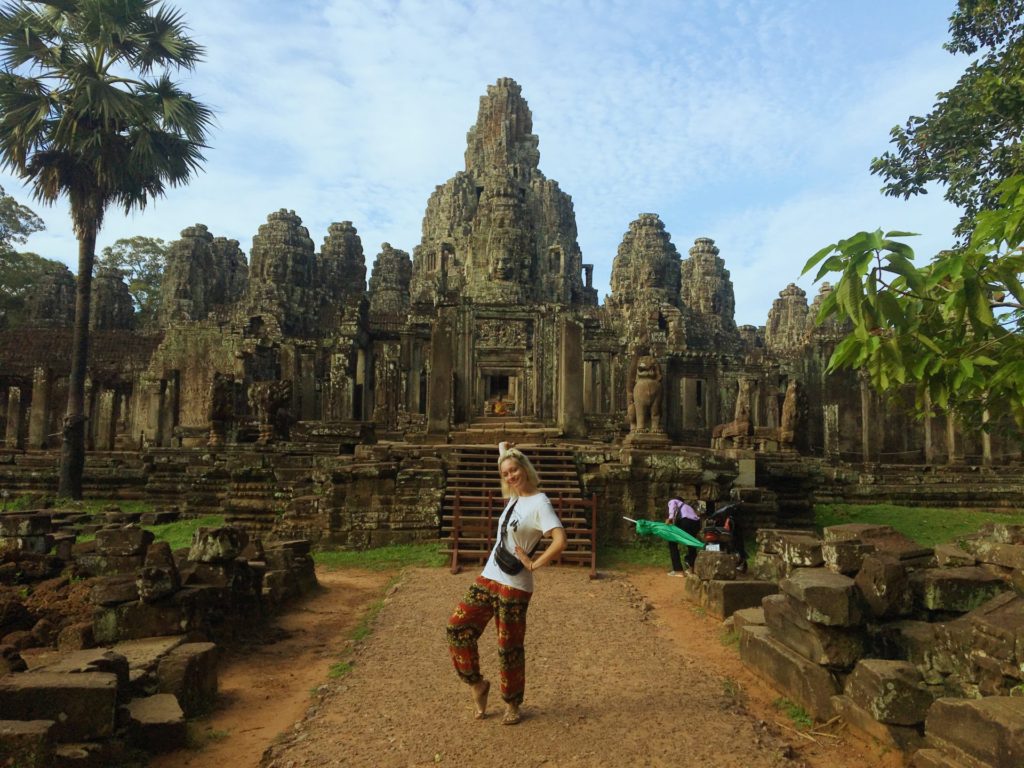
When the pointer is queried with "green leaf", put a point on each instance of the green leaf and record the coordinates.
(821, 254)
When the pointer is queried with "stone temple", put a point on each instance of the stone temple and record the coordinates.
(491, 326)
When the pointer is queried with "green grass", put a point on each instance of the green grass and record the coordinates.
(801, 719)
(927, 526)
(428, 554)
(339, 669)
(179, 533)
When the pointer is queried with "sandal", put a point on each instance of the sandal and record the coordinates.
(511, 718)
(481, 700)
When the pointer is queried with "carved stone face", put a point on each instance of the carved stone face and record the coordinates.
(503, 265)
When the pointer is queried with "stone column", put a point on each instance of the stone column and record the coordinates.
(307, 386)
(104, 440)
(865, 418)
(570, 377)
(986, 440)
(13, 417)
(830, 429)
(39, 421)
(153, 392)
(439, 389)
(950, 438)
(929, 447)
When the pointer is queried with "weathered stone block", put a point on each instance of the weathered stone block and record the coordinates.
(159, 575)
(160, 517)
(146, 652)
(97, 564)
(831, 598)
(953, 556)
(996, 553)
(156, 723)
(954, 589)
(1003, 533)
(770, 540)
(82, 706)
(884, 584)
(769, 567)
(114, 590)
(892, 692)
(26, 743)
(809, 685)
(123, 542)
(76, 637)
(217, 545)
(129, 621)
(801, 550)
(90, 660)
(747, 616)
(694, 589)
(190, 673)
(11, 660)
(726, 597)
(715, 565)
(834, 647)
(17, 526)
(990, 730)
(903, 737)
(845, 557)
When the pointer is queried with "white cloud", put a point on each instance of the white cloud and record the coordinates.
(734, 120)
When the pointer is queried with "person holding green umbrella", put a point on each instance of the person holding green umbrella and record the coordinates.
(683, 516)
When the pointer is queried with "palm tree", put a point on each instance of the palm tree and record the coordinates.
(88, 111)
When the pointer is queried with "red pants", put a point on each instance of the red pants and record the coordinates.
(486, 599)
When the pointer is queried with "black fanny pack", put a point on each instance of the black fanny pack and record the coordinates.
(506, 560)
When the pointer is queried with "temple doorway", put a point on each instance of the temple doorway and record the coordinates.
(500, 394)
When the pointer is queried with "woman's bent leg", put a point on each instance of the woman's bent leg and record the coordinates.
(465, 626)
(511, 625)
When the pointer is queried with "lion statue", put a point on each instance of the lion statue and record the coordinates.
(644, 395)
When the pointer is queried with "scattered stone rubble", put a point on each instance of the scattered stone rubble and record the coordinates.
(917, 649)
(122, 667)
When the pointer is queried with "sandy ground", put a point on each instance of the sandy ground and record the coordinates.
(621, 671)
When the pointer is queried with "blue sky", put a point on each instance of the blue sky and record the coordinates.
(751, 122)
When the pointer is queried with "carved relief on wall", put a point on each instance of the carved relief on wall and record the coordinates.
(501, 334)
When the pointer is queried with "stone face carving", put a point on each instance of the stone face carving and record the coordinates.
(644, 397)
(51, 301)
(112, 306)
(646, 267)
(706, 293)
(282, 274)
(389, 282)
(342, 269)
(787, 322)
(499, 232)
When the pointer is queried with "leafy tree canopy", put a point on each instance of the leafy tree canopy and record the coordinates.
(17, 222)
(953, 328)
(142, 260)
(971, 140)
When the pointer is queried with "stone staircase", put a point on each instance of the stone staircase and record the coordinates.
(473, 503)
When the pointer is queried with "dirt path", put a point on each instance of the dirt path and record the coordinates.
(620, 672)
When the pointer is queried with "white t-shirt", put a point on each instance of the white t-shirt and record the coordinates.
(531, 518)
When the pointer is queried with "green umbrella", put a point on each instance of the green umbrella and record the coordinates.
(665, 531)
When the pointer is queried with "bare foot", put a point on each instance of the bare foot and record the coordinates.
(480, 691)
(512, 715)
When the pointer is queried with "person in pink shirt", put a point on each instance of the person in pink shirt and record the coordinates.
(682, 515)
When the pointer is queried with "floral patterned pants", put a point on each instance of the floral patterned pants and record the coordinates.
(507, 605)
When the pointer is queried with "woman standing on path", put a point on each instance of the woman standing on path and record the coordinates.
(504, 588)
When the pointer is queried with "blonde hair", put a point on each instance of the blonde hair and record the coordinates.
(520, 458)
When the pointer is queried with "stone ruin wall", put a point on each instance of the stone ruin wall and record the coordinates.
(499, 269)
